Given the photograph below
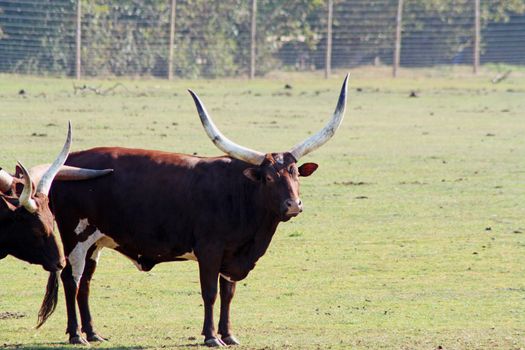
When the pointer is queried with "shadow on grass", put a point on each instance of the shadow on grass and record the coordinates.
(67, 346)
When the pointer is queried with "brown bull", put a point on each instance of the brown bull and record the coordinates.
(221, 212)
(26, 222)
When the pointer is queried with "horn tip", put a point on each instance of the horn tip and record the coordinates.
(347, 77)
(194, 96)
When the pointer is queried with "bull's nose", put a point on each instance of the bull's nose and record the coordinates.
(293, 206)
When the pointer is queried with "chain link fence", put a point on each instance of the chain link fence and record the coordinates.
(200, 38)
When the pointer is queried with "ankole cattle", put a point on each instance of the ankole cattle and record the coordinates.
(157, 207)
(26, 221)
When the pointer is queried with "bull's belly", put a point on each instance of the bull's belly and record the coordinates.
(144, 254)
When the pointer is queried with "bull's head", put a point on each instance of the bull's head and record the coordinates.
(27, 222)
(277, 173)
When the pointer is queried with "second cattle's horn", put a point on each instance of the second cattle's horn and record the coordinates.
(6, 180)
(68, 173)
(45, 182)
(26, 197)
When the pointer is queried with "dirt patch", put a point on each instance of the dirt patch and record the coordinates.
(352, 183)
(8, 315)
(416, 182)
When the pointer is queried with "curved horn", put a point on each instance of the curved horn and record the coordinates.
(221, 141)
(6, 180)
(45, 182)
(68, 173)
(26, 198)
(319, 139)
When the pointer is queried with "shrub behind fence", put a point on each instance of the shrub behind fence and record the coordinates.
(201, 38)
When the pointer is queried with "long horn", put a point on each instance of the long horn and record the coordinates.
(6, 180)
(221, 141)
(45, 182)
(319, 139)
(26, 198)
(68, 173)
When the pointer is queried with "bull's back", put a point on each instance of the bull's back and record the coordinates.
(143, 205)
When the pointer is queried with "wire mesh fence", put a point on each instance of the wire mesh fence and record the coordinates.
(200, 38)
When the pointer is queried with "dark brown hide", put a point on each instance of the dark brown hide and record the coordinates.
(29, 236)
(159, 206)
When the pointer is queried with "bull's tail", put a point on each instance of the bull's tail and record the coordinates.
(50, 299)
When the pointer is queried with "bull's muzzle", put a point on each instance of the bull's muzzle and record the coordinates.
(292, 207)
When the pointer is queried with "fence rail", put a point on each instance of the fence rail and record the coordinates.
(190, 38)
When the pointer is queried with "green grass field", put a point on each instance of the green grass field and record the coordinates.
(413, 234)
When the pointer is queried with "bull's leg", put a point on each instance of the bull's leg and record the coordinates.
(70, 291)
(209, 266)
(78, 254)
(227, 292)
(83, 295)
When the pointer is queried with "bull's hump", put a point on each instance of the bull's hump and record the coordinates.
(118, 152)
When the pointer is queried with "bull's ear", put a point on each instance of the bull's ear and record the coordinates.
(307, 169)
(253, 174)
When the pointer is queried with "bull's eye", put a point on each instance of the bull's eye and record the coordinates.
(269, 178)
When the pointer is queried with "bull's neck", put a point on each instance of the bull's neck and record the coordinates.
(262, 237)
(257, 223)
(261, 231)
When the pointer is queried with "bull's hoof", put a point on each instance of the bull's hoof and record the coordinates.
(230, 340)
(94, 337)
(78, 340)
(214, 343)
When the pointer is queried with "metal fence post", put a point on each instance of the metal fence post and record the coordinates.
(397, 48)
(172, 39)
(78, 66)
(253, 39)
(477, 36)
(328, 59)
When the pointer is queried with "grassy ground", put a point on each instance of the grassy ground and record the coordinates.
(413, 236)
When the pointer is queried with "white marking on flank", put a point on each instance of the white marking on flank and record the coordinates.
(81, 227)
(77, 257)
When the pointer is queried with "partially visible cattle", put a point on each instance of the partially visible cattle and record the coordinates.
(26, 222)
(220, 211)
